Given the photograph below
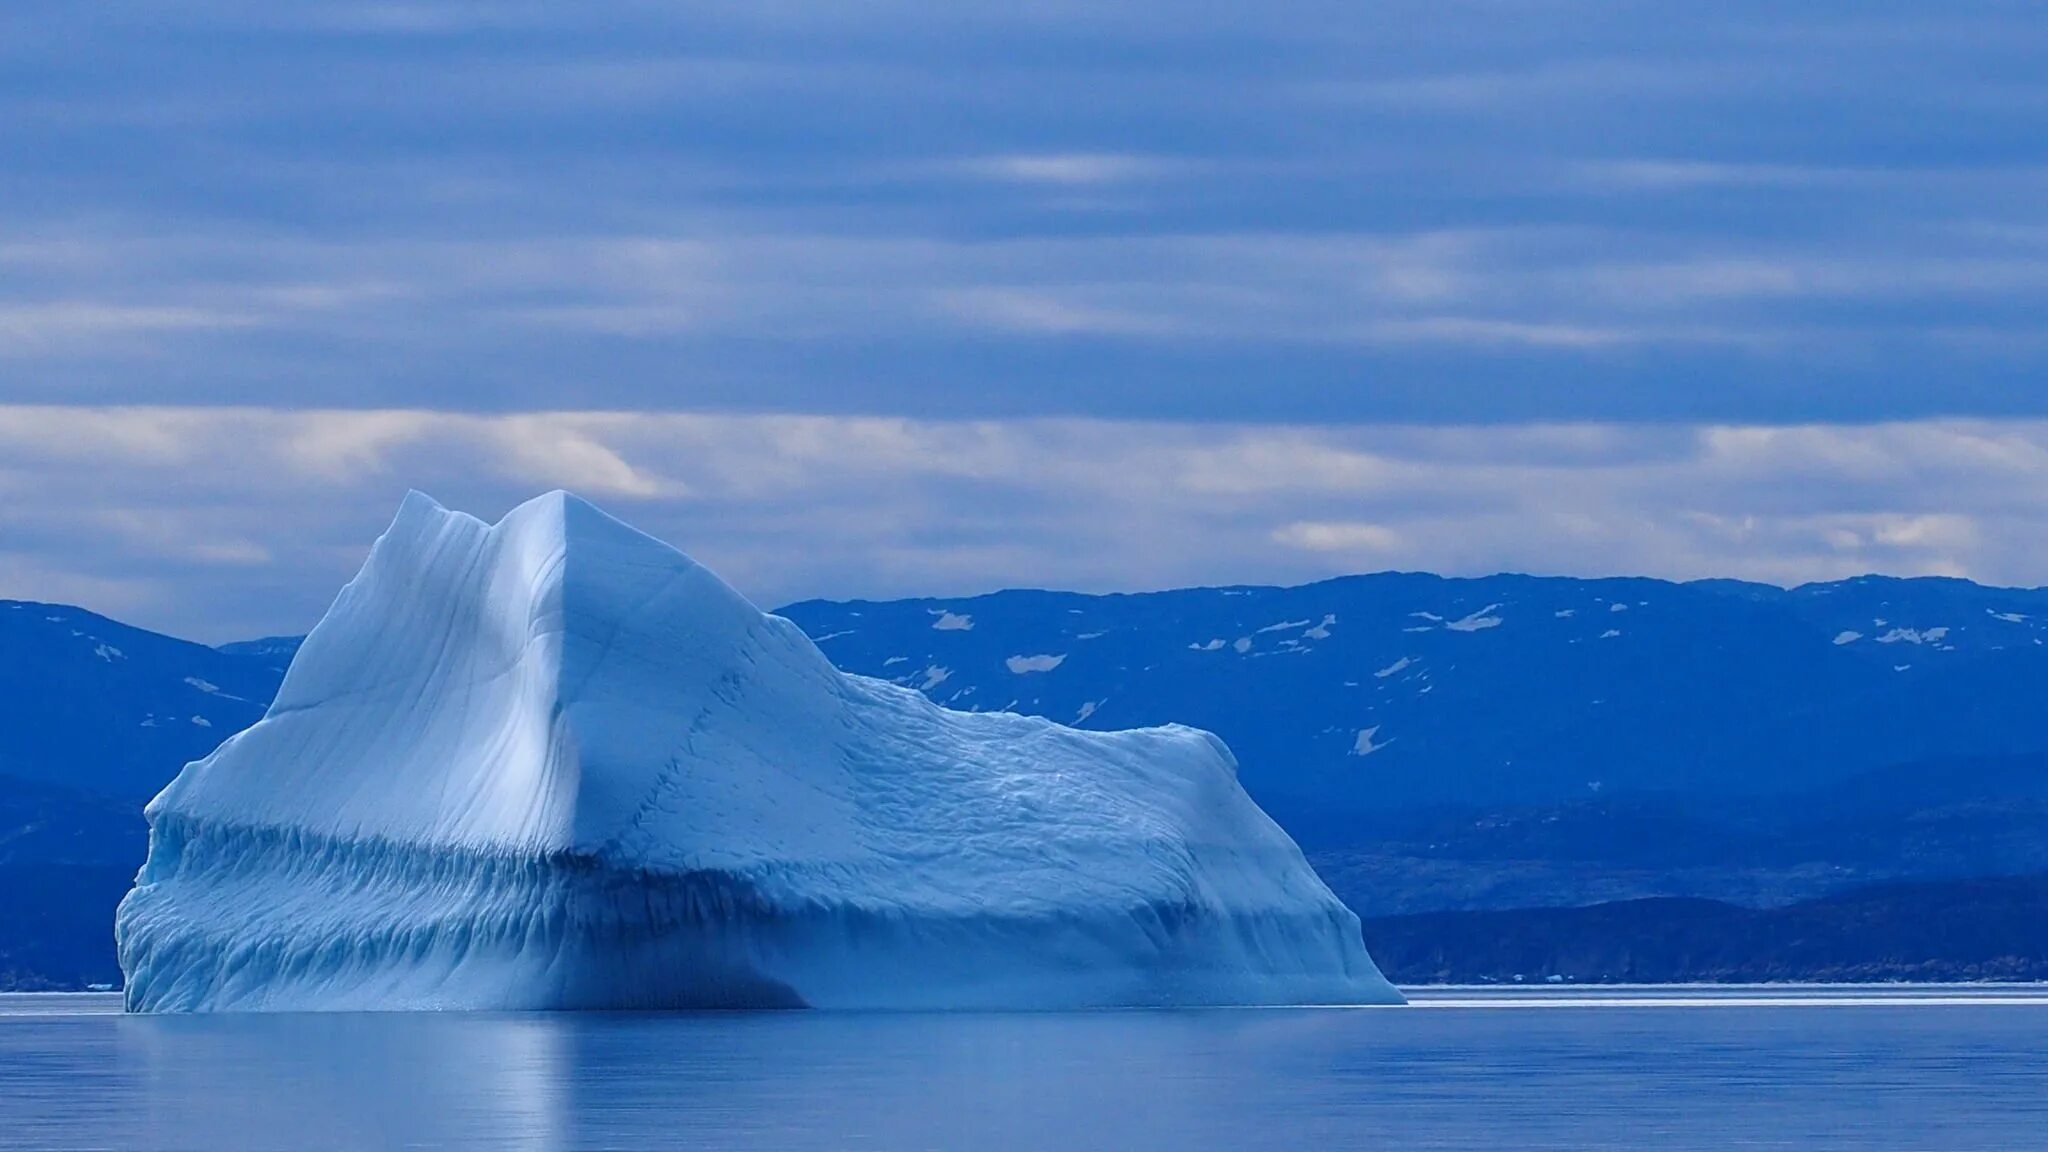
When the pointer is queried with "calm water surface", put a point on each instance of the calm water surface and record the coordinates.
(1948, 1071)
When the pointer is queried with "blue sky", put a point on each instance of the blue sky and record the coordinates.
(904, 298)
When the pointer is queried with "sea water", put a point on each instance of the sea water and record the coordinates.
(1954, 1070)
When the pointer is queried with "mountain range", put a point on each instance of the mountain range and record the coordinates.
(1437, 745)
(1394, 691)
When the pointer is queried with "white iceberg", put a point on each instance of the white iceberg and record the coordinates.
(554, 763)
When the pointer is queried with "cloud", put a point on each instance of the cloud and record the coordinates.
(1516, 324)
(1061, 293)
(46, 328)
(1567, 80)
(1276, 213)
(238, 521)
(1067, 168)
(1352, 539)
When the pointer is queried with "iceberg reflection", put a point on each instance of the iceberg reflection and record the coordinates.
(793, 1080)
(387, 1080)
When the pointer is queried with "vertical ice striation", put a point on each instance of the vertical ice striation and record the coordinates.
(554, 763)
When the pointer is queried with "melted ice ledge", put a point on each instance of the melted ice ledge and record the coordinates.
(554, 763)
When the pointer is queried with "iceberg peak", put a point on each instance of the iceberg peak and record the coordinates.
(553, 762)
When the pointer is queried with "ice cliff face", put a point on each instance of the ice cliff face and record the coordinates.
(554, 763)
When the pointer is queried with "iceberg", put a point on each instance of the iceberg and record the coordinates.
(553, 763)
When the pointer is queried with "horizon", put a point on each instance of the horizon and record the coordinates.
(779, 606)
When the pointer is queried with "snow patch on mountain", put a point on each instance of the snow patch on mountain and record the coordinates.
(1477, 621)
(1913, 636)
(1365, 744)
(210, 688)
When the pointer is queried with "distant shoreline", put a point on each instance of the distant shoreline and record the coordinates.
(1433, 996)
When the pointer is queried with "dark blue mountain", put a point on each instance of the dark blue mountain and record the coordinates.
(66, 858)
(1400, 691)
(1945, 931)
(94, 705)
(95, 716)
(274, 650)
(1930, 819)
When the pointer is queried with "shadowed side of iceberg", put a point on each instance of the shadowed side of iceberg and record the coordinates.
(243, 920)
(268, 920)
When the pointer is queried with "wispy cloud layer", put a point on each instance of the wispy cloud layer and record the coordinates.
(227, 522)
(1441, 212)
(1505, 323)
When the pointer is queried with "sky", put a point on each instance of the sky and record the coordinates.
(903, 298)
